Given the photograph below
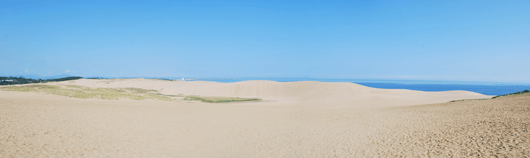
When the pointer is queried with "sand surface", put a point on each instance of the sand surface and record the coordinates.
(305, 93)
(299, 119)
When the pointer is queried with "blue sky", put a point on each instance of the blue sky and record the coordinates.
(409, 40)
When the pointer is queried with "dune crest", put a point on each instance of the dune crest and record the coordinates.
(303, 93)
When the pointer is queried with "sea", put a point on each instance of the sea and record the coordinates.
(486, 88)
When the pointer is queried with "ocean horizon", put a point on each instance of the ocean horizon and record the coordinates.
(486, 88)
(482, 87)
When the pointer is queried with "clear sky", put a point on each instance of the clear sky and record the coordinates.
(470, 40)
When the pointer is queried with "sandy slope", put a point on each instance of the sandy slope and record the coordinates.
(305, 93)
(34, 125)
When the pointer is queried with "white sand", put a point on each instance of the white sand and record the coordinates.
(300, 119)
(305, 93)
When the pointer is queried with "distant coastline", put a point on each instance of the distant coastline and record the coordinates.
(486, 88)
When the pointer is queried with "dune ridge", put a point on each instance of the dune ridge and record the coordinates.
(304, 93)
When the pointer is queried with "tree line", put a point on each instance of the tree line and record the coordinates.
(21, 80)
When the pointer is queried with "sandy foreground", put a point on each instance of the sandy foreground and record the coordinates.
(295, 119)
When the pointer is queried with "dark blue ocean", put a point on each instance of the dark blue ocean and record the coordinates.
(487, 88)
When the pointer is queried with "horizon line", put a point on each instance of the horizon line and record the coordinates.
(238, 79)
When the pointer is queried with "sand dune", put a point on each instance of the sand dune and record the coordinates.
(305, 93)
(40, 125)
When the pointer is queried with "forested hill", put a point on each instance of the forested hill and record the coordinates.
(21, 80)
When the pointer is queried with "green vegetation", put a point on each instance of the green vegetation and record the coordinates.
(220, 99)
(516, 93)
(140, 90)
(468, 99)
(90, 93)
(75, 91)
(162, 79)
(21, 80)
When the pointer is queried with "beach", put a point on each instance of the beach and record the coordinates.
(292, 119)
